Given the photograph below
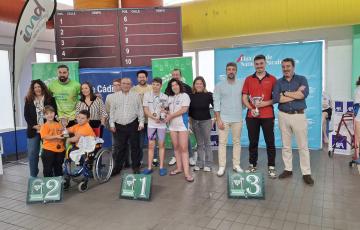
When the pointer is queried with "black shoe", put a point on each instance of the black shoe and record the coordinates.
(285, 174)
(308, 180)
(136, 170)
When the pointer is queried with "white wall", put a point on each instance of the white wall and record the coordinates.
(338, 53)
(46, 42)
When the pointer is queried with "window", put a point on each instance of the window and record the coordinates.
(43, 57)
(7, 120)
(193, 55)
(206, 68)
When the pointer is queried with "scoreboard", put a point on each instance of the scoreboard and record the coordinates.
(117, 37)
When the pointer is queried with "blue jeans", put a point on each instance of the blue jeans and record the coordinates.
(33, 149)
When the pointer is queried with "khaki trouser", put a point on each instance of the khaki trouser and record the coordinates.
(295, 124)
(223, 139)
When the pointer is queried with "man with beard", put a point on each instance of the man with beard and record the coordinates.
(290, 92)
(228, 115)
(257, 97)
(66, 93)
(141, 88)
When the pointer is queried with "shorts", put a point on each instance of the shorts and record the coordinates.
(159, 132)
(329, 112)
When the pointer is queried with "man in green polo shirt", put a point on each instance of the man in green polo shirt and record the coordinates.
(66, 93)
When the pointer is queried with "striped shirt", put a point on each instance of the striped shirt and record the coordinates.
(126, 108)
(96, 109)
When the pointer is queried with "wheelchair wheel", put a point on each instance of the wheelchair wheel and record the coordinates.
(103, 165)
(83, 186)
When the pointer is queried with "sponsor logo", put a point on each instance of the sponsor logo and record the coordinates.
(340, 142)
(339, 106)
(37, 16)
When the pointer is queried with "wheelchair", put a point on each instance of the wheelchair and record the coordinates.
(90, 160)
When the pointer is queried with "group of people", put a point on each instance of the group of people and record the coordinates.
(258, 93)
(132, 113)
(45, 106)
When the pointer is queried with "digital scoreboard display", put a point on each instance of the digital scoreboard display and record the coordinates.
(117, 37)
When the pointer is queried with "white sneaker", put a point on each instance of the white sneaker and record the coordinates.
(238, 169)
(196, 168)
(251, 169)
(272, 172)
(192, 162)
(172, 161)
(207, 169)
(221, 171)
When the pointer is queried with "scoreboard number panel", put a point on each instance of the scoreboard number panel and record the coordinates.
(149, 33)
(118, 37)
(89, 36)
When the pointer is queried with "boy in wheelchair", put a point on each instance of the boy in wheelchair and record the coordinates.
(80, 131)
(91, 160)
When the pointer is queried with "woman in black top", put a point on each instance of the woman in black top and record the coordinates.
(199, 112)
(37, 98)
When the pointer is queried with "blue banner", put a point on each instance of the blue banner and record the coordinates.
(308, 58)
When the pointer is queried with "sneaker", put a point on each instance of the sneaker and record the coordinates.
(308, 180)
(251, 169)
(172, 161)
(147, 171)
(207, 169)
(192, 162)
(196, 168)
(155, 163)
(285, 174)
(272, 172)
(238, 169)
(221, 171)
(162, 171)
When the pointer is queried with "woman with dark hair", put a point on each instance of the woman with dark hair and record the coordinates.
(37, 98)
(89, 101)
(356, 111)
(178, 121)
(200, 121)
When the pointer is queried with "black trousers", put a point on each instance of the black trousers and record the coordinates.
(123, 134)
(52, 163)
(267, 126)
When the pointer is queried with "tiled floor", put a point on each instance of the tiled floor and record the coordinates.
(332, 203)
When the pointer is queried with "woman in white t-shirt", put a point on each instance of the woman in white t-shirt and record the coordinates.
(356, 111)
(178, 120)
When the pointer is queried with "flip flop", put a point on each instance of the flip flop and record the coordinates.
(189, 178)
(174, 172)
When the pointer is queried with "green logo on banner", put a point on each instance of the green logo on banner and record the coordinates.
(136, 186)
(246, 185)
(48, 189)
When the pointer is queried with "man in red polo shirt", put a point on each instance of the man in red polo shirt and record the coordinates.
(257, 97)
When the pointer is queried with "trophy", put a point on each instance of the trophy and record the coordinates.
(64, 122)
(255, 101)
(163, 106)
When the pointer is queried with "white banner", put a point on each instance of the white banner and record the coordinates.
(31, 23)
